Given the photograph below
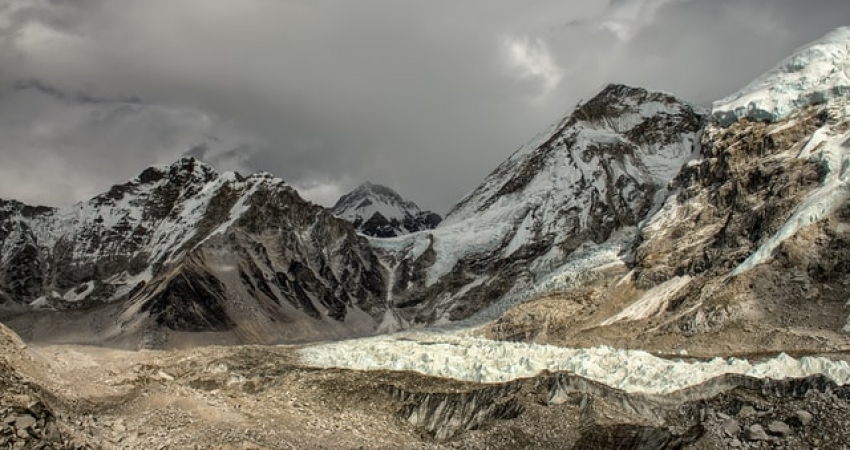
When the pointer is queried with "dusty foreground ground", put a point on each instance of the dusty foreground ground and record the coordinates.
(215, 397)
(70, 397)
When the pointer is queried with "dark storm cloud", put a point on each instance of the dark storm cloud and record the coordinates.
(426, 97)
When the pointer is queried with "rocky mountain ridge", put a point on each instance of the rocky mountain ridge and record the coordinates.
(746, 254)
(585, 185)
(184, 249)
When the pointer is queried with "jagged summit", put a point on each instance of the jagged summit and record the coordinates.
(379, 211)
(365, 195)
(816, 73)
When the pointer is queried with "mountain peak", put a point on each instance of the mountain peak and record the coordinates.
(619, 129)
(370, 193)
(817, 73)
(379, 211)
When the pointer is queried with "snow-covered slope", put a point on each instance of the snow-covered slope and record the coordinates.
(155, 215)
(817, 73)
(381, 212)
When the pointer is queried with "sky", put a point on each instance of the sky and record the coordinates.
(426, 97)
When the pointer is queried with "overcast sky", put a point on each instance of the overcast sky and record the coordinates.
(424, 96)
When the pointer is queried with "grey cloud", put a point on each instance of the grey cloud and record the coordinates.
(422, 96)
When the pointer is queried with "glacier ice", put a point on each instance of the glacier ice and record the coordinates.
(467, 358)
(817, 73)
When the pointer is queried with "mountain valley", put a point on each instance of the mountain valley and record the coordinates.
(646, 274)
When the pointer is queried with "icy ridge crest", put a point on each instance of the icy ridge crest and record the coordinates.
(815, 74)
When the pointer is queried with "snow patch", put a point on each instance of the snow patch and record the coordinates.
(79, 293)
(652, 302)
(40, 303)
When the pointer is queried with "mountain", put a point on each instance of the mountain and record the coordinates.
(379, 211)
(185, 249)
(585, 184)
(748, 253)
(180, 249)
(637, 220)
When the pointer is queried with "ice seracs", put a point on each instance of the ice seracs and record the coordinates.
(485, 361)
(817, 73)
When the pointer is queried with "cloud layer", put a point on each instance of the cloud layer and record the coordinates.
(427, 97)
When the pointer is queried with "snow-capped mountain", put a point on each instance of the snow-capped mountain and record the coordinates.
(748, 253)
(379, 211)
(587, 182)
(184, 248)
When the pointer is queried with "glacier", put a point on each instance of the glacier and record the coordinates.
(449, 355)
(814, 74)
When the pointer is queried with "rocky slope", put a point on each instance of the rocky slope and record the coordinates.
(379, 211)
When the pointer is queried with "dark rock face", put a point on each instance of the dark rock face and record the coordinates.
(379, 226)
(191, 302)
(445, 415)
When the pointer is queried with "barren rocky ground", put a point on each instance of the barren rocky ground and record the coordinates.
(261, 397)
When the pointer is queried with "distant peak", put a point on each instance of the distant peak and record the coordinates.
(379, 189)
(374, 193)
(378, 210)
